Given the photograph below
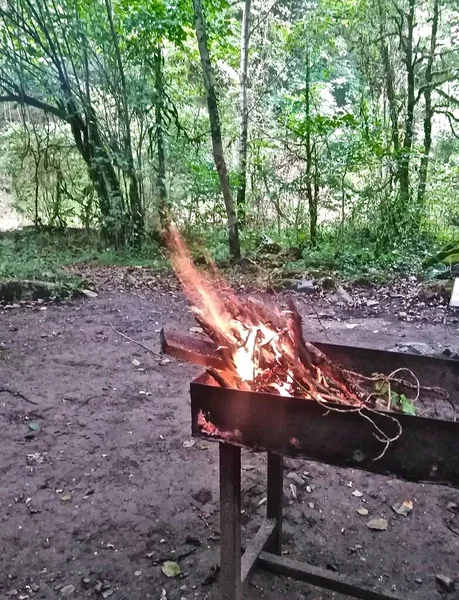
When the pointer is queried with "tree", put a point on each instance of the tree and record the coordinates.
(215, 129)
(244, 113)
(47, 63)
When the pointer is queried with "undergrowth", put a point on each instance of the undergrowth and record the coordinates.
(43, 255)
(353, 256)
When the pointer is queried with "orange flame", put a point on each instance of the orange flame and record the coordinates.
(261, 347)
(244, 337)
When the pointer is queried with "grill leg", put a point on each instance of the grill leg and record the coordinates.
(275, 499)
(230, 522)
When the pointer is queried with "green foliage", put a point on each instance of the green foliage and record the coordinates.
(403, 404)
(82, 135)
(43, 255)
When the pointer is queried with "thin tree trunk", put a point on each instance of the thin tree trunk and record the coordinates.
(404, 179)
(312, 199)
(134, 196)
(244, 114)
(163, 207)
(215, 129)
(390, 86)
(428, 112)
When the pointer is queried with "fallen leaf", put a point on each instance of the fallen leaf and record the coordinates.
(66, 497)
(89, 293)
(357, 494)
(135, 362)
(403, 508)
(171, 569)
(34, 426)
(378, 524)
(362, 511)
(189, 443)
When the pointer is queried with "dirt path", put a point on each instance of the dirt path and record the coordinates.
(105, 487)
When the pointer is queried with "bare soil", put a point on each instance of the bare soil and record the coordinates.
(98, 487)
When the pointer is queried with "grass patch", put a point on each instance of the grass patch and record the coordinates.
(28, 254)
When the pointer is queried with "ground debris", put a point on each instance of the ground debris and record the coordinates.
(378, 524)
(403, 508)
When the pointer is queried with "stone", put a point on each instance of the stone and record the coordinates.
(296, 478)
(67, 590)
(306, 286)
(445, 582)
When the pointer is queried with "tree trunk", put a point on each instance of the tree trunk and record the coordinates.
(244, 114)
(163, 207)
(135, 205)
(404, 178)
(428, 112)
(310, 193)
(215, 129)
(390, 86)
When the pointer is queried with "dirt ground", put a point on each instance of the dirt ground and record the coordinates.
(98, 487)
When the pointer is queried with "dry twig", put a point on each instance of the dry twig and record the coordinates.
(18, 395)
(136, 342)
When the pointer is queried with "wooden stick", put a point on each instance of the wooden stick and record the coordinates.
(136, 342)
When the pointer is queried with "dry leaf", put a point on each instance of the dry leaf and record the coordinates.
(171, 569)
(403, 508)
(378, 524)
(189, 443)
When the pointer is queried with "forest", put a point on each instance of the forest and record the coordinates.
(325, 129)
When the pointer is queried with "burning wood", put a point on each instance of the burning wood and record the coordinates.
(254, 347)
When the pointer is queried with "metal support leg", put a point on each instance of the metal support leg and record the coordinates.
(230, 522)
(275, 499)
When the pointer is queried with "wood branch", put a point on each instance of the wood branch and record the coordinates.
(191, 348)
(24, 99)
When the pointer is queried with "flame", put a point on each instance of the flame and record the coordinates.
(258, 344)
(211, 299)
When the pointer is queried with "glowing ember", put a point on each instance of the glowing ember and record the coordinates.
(262, 348)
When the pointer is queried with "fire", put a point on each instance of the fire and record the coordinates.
(263, 348)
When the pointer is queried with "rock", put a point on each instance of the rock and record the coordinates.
(67, 590)
(306, 286)
(27, 289)
(446, 583)
(287, 284)
(296, 478)
(344, 295)
(418, 348)
(372, 302)
(108, 593)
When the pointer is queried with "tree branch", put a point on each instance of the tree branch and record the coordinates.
(30, 101)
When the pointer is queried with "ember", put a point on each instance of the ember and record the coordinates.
(260, 349)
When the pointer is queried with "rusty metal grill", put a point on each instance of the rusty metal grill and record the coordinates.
(427, 450)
